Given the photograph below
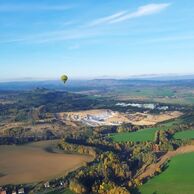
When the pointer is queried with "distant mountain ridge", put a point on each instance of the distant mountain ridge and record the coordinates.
(76, 85)
(163, 77)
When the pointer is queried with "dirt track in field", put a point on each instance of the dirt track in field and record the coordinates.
(150, 170)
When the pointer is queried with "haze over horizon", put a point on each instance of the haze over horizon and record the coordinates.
(91, 39)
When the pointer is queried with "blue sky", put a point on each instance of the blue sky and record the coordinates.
(42, 39)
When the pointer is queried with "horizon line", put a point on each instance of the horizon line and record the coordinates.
(124, 77)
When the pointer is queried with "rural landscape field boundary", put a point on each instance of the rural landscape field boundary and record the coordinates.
(151, 170)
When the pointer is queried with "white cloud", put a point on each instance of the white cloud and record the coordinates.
(86, 31)
(60, 35)
(172, 38)
(32, 7)
(107, 19)
(145, 10)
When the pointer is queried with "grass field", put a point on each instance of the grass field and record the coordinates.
(142, 135)
(145, 91)
(138, 136)
(184, 135)
(176, 179)
(35, 162)
(166, 95)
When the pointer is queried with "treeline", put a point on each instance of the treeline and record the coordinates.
(164, 139)
(21, 136)
(24, 140)
(53, 101)
(71, 148)
(117, 164)
(113, 168)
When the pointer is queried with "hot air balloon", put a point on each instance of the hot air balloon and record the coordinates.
(64, 78)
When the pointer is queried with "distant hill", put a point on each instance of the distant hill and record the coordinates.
(163, 77)
(80, 85)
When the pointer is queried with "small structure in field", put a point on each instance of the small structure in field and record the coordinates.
(21, 191)
(2, 191)
(47, 185)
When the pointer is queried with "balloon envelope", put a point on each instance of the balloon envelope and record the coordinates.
(64, 78)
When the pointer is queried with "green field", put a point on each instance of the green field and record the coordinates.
(155, 94)
(184, 135)
(145, 91)
(178, 178)
(166, 95)
(138, 136)
(142, 135)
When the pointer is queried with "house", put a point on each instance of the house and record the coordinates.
(3, 192)
(46, 185)
(21, 191)
(14, 192)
